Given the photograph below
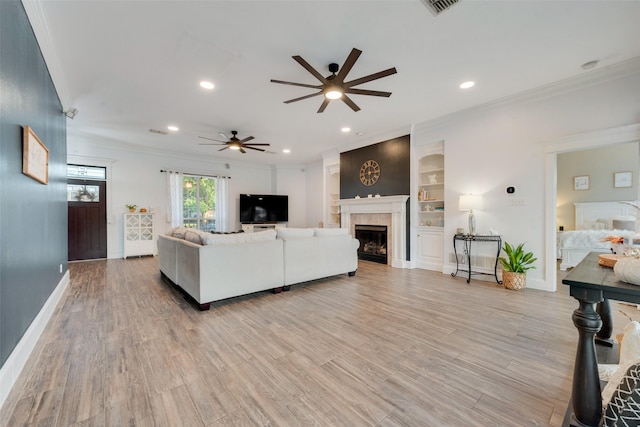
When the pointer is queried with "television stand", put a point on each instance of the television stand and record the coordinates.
(250, 228)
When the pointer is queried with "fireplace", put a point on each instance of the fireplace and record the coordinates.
(373, 242)
(389, 211)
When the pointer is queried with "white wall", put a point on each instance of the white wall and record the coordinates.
(490, 148)
(315, 194)
(292, 182)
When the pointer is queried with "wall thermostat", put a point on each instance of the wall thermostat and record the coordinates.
(511, 190)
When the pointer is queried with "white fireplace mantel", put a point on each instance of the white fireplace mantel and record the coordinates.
(394, 205)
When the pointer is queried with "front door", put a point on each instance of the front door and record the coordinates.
(87, 201)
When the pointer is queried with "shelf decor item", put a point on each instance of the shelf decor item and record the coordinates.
(515, 266)
(132, 208)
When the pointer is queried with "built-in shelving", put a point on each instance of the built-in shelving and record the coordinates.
(431, 191)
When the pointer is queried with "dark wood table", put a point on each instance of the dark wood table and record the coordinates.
(591, 284)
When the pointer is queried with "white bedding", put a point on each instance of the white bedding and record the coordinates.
(590, 239)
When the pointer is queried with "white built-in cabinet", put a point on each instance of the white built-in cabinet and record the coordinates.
(332, 216)
(138, 234)
(430, 206)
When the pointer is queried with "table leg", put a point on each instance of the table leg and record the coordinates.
(495, 267)
(585, 393)
(455, 251)
(604, 335)
(467, 249)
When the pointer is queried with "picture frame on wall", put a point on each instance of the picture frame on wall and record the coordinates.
(35, 156)
(581, 182)
(622, 179)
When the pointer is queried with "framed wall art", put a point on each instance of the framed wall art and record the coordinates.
(622, 179)
(581, 182)
(35, 156)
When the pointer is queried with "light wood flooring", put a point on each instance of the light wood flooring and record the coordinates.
(388, 347)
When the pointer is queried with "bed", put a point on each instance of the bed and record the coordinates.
(594, 221)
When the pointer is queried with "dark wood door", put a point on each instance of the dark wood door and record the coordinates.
(87, 220)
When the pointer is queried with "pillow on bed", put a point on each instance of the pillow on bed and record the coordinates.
(619, 224)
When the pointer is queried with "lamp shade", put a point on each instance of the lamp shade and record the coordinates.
(470, 202)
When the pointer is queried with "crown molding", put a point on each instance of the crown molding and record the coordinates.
(551, 90)
(35, 13)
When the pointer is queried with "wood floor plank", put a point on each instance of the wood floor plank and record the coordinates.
(388, 347)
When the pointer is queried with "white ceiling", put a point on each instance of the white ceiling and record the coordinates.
(131, 66)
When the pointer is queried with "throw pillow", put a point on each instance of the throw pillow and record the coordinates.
(623, 225)
(624, 407)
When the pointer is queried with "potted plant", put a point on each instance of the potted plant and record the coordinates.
(515, 266)
(132, 208)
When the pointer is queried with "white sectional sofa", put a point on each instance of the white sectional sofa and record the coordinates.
(211, 267)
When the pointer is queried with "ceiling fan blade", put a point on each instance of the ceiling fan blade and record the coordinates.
(211, 139)
(303, 97)
(350, 103)
(242, 151)
(324, 104)
(247, 145)
(282, 82)
(348, 64)
(368, 92)
(222, 134)
(207, 143)
(249, 138)
(309, 68)
(251, 148)
(374, 76)
(223, 148)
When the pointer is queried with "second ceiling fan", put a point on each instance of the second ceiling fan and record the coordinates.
(334, 86)
(234, 143)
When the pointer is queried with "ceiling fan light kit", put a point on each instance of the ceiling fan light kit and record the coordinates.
(234, 143)
(333, 86)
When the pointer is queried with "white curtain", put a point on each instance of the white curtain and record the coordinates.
(174, 190)
(222, 207)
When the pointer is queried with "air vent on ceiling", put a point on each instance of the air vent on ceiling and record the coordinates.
(161, 132)
(438, 6)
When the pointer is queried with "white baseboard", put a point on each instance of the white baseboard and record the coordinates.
(18, 358)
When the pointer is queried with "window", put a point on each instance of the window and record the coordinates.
(199, 202)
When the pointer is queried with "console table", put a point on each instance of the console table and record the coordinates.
(591, 284)
(468, 239)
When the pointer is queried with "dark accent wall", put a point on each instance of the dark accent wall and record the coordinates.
(33, 216)
(393, 158)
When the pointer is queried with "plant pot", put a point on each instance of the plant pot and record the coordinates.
(514, 281)
(132, 210)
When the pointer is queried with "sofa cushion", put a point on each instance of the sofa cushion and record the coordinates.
(230, 239)
(193, 236)
(294, 233)
(177, 232)
(324, 232)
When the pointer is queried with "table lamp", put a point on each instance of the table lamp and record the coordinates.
(469, 202)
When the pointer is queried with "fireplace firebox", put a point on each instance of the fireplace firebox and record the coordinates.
(373, 242)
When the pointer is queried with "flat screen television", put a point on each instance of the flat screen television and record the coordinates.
(263, 208)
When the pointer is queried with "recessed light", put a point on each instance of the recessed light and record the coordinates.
(206, 85)
(286, 151)
(346, 129)
(173, 128)
(467, 85)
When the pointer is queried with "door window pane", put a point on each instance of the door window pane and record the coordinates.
(86, 172)
(83, 193)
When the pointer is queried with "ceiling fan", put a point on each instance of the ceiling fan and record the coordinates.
(334, 86)
(234, 143)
